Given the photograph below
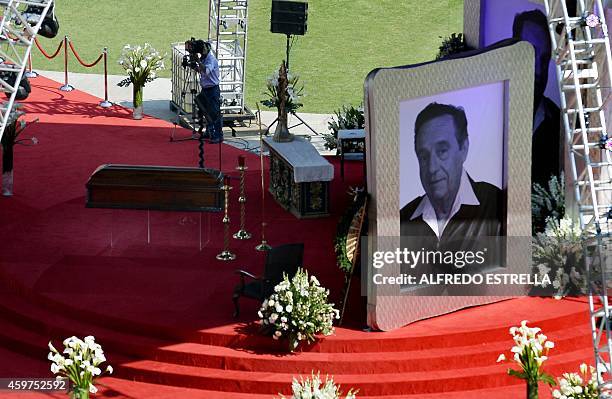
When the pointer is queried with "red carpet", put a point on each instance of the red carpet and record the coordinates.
(163, 310)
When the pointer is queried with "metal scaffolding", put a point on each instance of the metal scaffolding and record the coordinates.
(18, 31)
(227, 32)
(581, 48)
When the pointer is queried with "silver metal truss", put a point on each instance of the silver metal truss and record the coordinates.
(18, 30)
(227, 32)
(581, 49)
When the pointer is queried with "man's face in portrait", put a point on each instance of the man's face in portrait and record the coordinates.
(540, 40)
(440, 158)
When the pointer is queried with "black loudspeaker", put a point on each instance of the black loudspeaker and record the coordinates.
(289, 17)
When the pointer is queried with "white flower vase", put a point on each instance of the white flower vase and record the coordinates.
(7, 184)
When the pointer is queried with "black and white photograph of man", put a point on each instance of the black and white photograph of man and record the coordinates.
(454, 205)
(451, 177)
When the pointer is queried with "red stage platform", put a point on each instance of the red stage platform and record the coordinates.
(163, 310)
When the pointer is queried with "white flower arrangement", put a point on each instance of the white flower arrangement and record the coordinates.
(81, 364)
(314, 388)
(295, 90)
(558, 253)
(298, 310)
(581, 385)
(141, 64)
(530, 351)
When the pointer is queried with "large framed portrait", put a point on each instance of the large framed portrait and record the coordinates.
(449, 160)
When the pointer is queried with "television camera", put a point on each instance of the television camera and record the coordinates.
(194, 47)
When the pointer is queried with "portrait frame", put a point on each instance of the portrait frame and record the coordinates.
(390, 307)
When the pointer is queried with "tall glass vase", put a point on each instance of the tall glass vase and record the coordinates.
(137, 101)
(532, 389)
(79, 393)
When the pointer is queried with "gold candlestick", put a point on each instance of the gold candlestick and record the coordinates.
(226, 254)
(242, 234)
(263, 246)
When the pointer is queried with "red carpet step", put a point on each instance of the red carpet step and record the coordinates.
(163, 311)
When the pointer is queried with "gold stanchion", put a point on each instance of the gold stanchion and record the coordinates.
(242, 234)
(263, 246)
(226, 255)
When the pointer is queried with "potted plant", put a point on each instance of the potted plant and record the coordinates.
(141, 64)
(348, 117)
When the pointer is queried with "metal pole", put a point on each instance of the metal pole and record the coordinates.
(66, 86)
(288, 36)
(106, 103)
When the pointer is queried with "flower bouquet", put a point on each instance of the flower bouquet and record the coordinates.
(298, 310)
(558, 253)
(141, 64)
(284, 92)
(81, 365)
(530, 352)
(578, 386)
(314, 388)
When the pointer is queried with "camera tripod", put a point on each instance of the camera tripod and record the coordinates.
(191, 76)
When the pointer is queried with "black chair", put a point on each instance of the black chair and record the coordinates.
(284, 259)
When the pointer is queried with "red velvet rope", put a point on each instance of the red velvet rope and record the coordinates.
(47, 55)
(81, 61)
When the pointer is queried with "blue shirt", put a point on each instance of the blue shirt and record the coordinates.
(209, 71)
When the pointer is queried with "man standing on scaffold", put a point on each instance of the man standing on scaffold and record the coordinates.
(209, 99)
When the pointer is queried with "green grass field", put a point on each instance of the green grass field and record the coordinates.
(345, 39)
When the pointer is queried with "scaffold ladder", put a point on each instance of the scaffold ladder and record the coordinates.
(227, 32)
(581, 48)
(17, 34)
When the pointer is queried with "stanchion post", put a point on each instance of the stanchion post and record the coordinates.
(226, 254)
(263, 246)
(105, 103)
(66, 86)
(242, 234)
(30, 74)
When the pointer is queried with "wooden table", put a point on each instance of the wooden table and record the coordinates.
(299, 177)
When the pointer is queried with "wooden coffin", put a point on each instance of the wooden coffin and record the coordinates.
(163, 188)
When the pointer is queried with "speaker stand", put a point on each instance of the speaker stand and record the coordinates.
(302, 121)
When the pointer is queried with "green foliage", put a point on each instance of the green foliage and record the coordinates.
(342, 259)
(295, 90)
(453, 44)
(348, 117)
(346, 39)
(547, 203)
